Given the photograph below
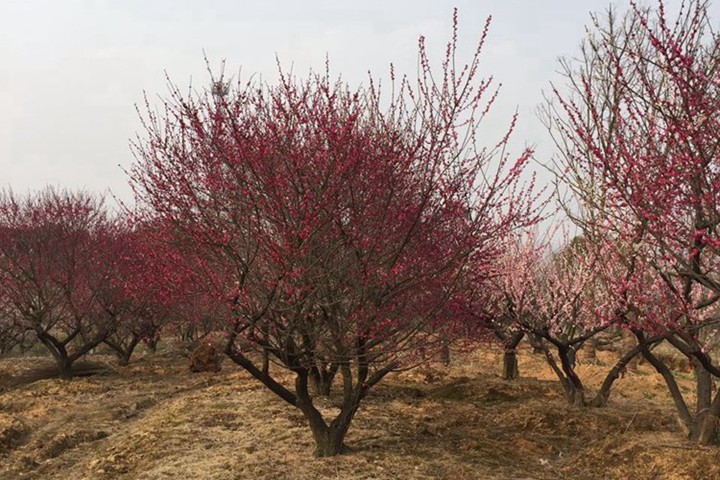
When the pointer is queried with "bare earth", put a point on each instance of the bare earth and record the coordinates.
(155, 420)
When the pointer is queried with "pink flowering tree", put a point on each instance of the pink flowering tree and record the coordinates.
(552, 295)
(336, 223)
(637, 129)
(48, 259)
(148, 286)
(111, 306)
(562, 294)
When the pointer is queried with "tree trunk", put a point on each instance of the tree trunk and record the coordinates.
(571, 357)
(628, 342)
(703, 385)
(322, 378)
(123, 353)
(124, 358)
(152, 342)
(188, 334)
(573, 386)
(60, 354)
(329, 439)
(64, 367)
(708, 430)
(710, 421)
(575, 395)
(445, 352)
(510, 362)
(329, 442)
(510, 365)
(265, 361)
(590, 350)
(686, 418)
(603, 394)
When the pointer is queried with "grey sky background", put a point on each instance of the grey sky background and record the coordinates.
(71, 71)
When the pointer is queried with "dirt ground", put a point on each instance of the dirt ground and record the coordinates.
(155, 420)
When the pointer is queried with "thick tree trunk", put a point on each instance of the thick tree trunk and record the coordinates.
(64, 367)
(703, 384)
(708, 430)
(60, 354)
(710, 423)
(329, 439)
(576, 396)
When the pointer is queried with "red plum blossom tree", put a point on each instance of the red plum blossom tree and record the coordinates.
(337, 224)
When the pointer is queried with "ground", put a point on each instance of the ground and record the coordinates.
(155, 420)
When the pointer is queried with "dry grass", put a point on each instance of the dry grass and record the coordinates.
(154, 420)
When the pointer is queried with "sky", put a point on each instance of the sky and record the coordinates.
(72, 71)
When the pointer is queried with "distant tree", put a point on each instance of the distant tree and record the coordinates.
(337, 224)
(49, 260)
(149, 287)
(548, 293)
(563, 295)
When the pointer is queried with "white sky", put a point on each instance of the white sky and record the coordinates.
(71, 71)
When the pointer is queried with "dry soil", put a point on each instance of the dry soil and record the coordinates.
(155, 420)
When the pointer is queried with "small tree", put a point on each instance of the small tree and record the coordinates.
(337, 224)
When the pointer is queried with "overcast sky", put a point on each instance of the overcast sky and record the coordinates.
(72, 71)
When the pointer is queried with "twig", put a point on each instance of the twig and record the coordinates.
(684, 447)
(631, 422)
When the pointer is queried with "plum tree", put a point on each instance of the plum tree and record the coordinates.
(337, 224)
(637, 130)
(50, 263)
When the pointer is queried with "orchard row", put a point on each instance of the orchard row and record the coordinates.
(350, 233)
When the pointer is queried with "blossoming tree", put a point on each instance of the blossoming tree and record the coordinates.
(336, 223)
